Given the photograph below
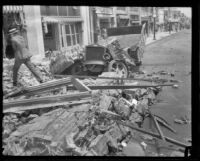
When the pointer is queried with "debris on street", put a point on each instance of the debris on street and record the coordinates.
(175, 86)
(182, 120)
(85, 81)
(90, 121)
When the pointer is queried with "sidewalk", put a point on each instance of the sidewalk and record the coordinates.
(158, 35)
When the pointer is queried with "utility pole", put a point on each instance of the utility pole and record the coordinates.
(94, 15)
(169, 18)
(154, 23)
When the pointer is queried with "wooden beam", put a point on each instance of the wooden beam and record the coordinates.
(51, 85)
(158, 127)
(170, 140)
(45, 100)
(165, 125)
(79, 85)
(46, 105)
(94, 87)
(93, 77)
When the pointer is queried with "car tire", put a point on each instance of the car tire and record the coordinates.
(118, 66)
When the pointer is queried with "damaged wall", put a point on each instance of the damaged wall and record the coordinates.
(34, 31)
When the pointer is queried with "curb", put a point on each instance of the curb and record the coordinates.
(161, 39)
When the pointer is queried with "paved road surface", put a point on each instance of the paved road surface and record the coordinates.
(172, 54)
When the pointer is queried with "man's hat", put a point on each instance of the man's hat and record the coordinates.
(12, 31)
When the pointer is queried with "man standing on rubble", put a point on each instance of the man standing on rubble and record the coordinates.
(22, 55)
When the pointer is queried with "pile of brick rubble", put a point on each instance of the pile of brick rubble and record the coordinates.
(84, 130)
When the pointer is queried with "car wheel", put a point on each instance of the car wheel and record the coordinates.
(119, 67)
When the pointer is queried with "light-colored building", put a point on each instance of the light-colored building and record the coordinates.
(59, 28)
(103, 18)
(134, 15)
(121, 16)
(146, 14)
(160, 16)
(65, 27)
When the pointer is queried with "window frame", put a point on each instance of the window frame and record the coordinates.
(46, 11)
(70, 34)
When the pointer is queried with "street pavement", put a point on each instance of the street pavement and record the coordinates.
(172, 54)
(158, 36)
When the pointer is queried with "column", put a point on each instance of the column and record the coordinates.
(115, 16)
(34, 31)
(85, 25)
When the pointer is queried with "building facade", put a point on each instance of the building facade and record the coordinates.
(121, 16)
(65, 27)
(58, 28)
(134, 15)
(103, 18)
(13, 16)
(147, 18)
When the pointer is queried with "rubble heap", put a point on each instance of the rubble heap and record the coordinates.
(25, 77)
(88, 129)
(85, 129)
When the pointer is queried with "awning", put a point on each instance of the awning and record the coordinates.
(104, 15)
(12, 9)
(123, 16)
(51, 19)
(133, 21)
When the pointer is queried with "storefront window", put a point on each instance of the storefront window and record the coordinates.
(62, 38)
(134, 17)
(73, 34)
(67, 30)
(134, 9)
(69, 43)
(78, 32)
(74, 39)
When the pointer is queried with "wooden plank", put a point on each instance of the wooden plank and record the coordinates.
(168, 139)
(41, 87)
(93, 77)
(45, 100)
(79, 85)
(95, 87)
(115, 78)
(165, 125)
(47, 105)
(158, 127)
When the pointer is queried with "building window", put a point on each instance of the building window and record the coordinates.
(62, 36)
(60, 10)
(53, 11)
(121, 8)
(134, 17)
(49, 33)
(134, 9)
(73, 34)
